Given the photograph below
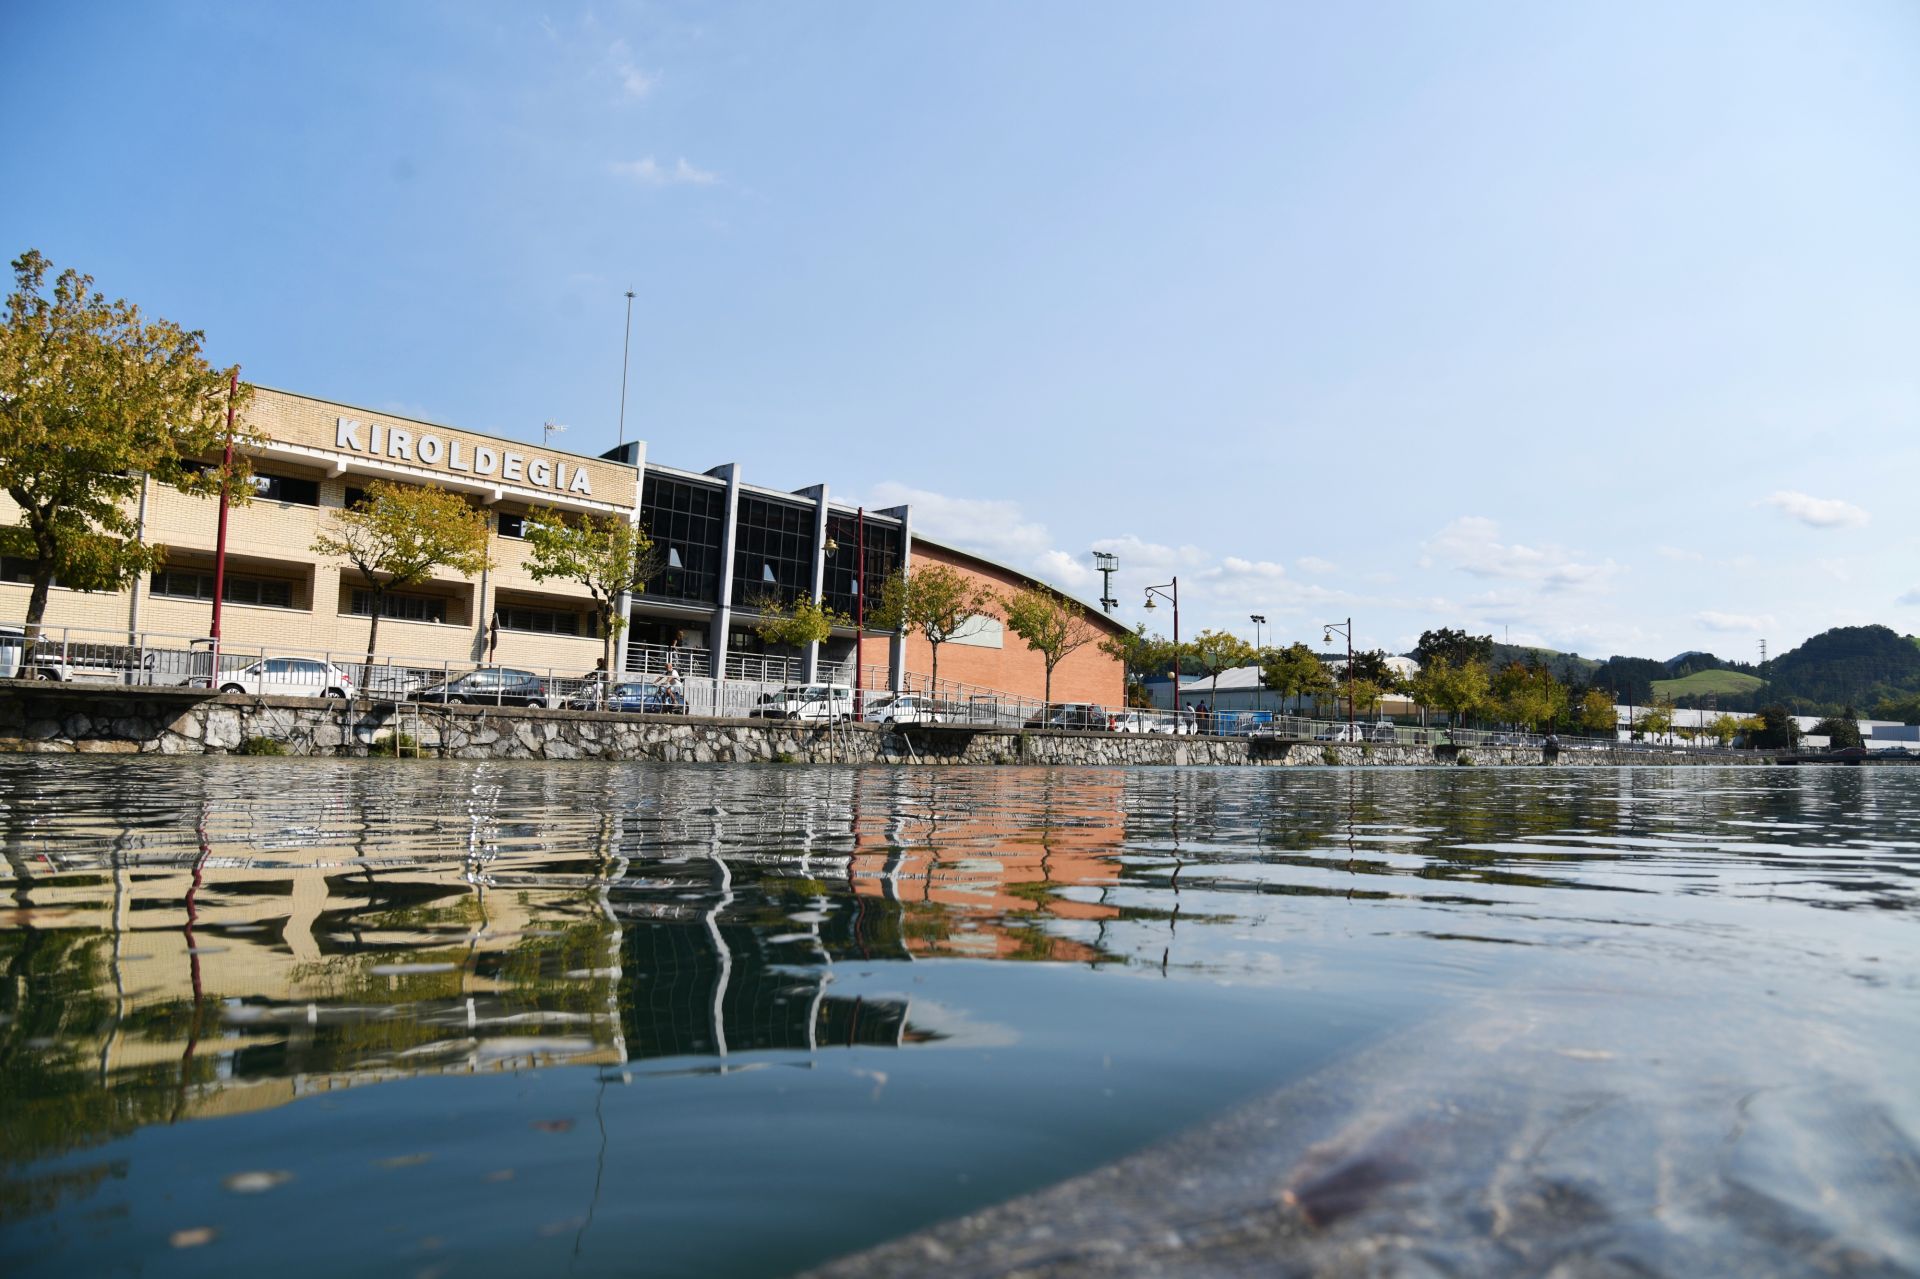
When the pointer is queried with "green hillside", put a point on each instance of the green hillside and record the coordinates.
(1710, 684)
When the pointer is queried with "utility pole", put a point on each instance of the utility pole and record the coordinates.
(1106, 565)
(626, 348)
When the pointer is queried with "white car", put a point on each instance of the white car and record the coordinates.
(908, 708)
(288, 677)
(1141, 722)
(815, 703)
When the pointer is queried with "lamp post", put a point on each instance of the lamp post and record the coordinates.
(1345, 628)
(1260, 681)
(220, 538)
(1171, 593)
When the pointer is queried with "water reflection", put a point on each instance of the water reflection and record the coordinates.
(190, 940)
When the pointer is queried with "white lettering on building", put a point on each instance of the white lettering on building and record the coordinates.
(394, 442)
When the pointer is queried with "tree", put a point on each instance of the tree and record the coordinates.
(796, 625)
(1295, 671)
(1724, 729)
(1218, 652)
(1905, 710)
(1053, 626)
(1778, 729)
(1655, 719)
(1597, 713)
(1459, 690)
(1842, 731)
(1456, 648)
(608, 555)
(1530, 696)
(94, 398)
(1144, 657)
(398, 534)
(1364, 695)
(937, 601)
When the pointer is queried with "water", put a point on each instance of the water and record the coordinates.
(426, 1019)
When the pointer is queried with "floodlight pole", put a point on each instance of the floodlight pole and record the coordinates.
(1260, 681)
(626, 349)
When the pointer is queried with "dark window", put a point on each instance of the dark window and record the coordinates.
(882, 546)
(408, 608)
(13, 568)
(547, 621)
(773, 551)
(687, 522)
(280, 488)
(196, 584)
(355, 497)
(512, 525)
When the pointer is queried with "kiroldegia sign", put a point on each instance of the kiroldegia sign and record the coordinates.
(485, 462)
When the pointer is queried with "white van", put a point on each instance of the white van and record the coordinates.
(814, 703)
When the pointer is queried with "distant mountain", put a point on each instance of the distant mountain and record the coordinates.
(1847, 666)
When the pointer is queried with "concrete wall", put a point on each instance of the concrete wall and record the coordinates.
(70, 718)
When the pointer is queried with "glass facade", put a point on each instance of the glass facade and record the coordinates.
(773, 553)
(687, 522)
(882, 557)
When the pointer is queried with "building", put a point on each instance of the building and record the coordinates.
(727, 547)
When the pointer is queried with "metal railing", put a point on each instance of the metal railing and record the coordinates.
(661, 680)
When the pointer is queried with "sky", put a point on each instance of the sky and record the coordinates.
(1588, 325)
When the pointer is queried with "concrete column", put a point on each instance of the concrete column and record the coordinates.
(810, 665)
(623, 607)
(723, 607)
(897, 648)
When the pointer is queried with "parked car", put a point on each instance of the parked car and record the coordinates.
(1141, 722)
(489, 686)
(641, 697)
(287, 677)
(1381, 730)
(1085, 716)
(815, 703)
(58, 657)
(907, 708)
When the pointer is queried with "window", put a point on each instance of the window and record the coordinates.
(238, 588)
(547, 621)
(13, 568)
(773, 551)
(882, 558)
(512, 525)
(355, 497)
(407, 608)
(686, 520)
(280, 488)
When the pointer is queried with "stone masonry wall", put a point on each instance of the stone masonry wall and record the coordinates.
(96, 719)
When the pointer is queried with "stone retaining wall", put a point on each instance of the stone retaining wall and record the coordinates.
(97, 719)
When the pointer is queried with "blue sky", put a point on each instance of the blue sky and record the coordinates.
(1597, 324)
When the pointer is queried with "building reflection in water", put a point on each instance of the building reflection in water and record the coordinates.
(238, 944)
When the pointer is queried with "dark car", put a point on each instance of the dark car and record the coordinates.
(1086, 716)
(494, 686)
(634, 697)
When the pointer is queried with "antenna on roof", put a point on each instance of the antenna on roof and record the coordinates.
(547, 430)
(1107, 564)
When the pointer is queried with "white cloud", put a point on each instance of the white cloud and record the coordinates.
(633, 81)
(1314, 564)
(650, 172)
(1472, 545)
(1714, 621)
(1816, 512)
(992, 527)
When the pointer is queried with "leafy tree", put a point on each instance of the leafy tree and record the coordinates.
(1655, 719)
(1724, 729)
(937, 601)
(796, 625)
(1218, 652)
(399, 534)
(1630, 679)
(1459, 690)
(608, 555)
(1597, 714)
(1052, 625)
(1295, 671)
(1373, 666)
(94, 396)
(1456, 648)
(1144, 657)
(1905, 710)
(1530, 696)
(1842, 731)
(1366, 695)
(1778, 729)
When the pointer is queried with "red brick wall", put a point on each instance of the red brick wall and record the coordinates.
(1089, 675)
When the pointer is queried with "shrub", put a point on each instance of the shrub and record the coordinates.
(395, 744)
(260, 746)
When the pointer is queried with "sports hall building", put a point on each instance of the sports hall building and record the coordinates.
(726, 546)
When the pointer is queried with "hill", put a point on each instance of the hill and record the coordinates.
(1722, 684)
(1846, 666)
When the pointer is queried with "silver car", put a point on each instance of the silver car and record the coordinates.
(288, 677)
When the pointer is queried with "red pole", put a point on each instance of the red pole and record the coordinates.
(859, 607)
(220, 542)
(1349, 679)
(1178, 709)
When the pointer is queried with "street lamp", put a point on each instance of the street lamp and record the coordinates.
(1345, 628)
(1171, 593)
(1260, 681)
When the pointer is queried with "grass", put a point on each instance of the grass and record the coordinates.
(1702, 683)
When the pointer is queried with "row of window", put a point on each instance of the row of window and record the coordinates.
(237, 588)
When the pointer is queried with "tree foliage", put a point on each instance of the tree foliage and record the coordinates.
(938, 601)
(1842, 731)
(94, 398)
(1143, 657)
(1458, 689)
(1295, 671)
(1597, 714)
(1777, 730)
(1654, 719)
(805, 621)
(1856, 664)
(398, 535)
(607, 554)
(1218, 652)
(1724, 729)
(1530, 696)
(1052, 625)
(1455, 647)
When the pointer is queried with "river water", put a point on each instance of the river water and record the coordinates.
(424, 1019)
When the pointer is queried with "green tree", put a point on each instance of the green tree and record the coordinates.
(1218, 652)
(1905, 710)
(1654, 719)
(1295, 671)
(1778, 729)
(937, 601)
(1597, 714)
(608, 555)
(1144, 657)
(94, 398)
(796, 625)
(398, 535)
(1052, 625)
(1456, 648)
(1459, 690)
(1842, 731)
(1366, 695)
(1530, 696)
(1724, 729)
